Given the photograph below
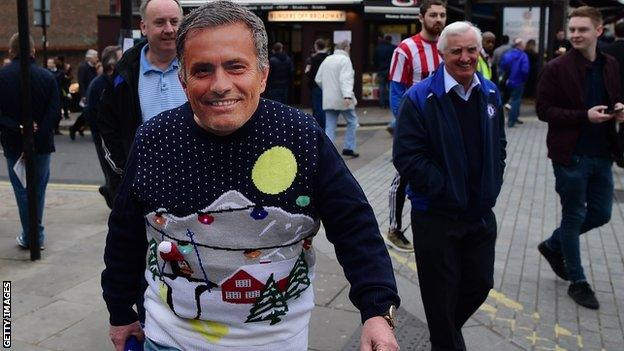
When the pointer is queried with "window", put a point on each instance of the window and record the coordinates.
(232, 295)
(252, 294)
(243, 283)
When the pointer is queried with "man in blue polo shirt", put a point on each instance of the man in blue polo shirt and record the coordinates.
(145, 84)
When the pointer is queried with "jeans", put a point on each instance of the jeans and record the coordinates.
(515, 98)
(42, 166)
(317, 106)
(586, 191)
(331, 120)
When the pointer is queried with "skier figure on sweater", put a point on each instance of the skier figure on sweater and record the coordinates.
(222, 197)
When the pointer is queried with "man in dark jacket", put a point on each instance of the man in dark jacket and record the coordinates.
(381, 60)
(575, 95)
(280, 74)
(110, 57)
(316, 59)
(145, 84)
(45, 106)
(450, 146)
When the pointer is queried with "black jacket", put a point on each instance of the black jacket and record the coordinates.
(383, 56)
(45, 107)
(86, 73)
(119, 113)
(280, 70)
(315, 63)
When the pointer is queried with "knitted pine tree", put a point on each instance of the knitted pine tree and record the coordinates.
(269, 306)
(298, 280)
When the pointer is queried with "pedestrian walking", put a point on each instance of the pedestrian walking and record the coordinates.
(45, 106)
(110, 56)
(280, 74)
(415, 59)
(381, 60)
(336, 77)
(320, 54)
(515, 64)
(146, 83)
(87, 72)
(578, 95)
(450, 145)
(216, 266)
(52, 66)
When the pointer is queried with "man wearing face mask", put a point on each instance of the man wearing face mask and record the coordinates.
(145, 83)
(450, 146)
(228, 239)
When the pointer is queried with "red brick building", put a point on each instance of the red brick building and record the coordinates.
(72, 31)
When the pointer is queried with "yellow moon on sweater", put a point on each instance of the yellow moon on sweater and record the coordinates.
(275, 170)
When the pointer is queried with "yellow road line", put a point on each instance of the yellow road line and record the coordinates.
(61, 186)
(503, 300)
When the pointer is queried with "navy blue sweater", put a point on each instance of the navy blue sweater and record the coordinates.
(45, 105)
(188, 168)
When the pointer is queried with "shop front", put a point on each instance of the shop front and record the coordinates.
(298, 23)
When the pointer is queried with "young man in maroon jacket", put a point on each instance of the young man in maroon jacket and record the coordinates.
(579, 95)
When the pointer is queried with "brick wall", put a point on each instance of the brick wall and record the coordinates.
(73, 29)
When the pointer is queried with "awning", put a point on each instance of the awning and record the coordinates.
(197, 3)
(403, 7)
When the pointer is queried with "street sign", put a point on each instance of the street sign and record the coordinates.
(38, 12)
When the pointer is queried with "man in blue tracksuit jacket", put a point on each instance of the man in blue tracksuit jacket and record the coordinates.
(450, 145)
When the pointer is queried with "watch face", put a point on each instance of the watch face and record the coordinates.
(392, 311)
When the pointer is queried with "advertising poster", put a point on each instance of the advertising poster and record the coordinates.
(523, 22)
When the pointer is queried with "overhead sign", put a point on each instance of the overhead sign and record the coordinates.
(307, 16)
(392, 9)
(276, 4)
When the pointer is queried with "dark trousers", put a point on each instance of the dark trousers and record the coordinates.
(317, 106)
(455, 261)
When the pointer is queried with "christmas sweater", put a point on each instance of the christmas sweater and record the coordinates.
(222, 229)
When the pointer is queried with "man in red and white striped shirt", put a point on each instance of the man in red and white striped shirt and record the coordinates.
(415, 59)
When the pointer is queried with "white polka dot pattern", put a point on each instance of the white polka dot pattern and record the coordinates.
(183, 168)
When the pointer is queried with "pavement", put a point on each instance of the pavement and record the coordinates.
(57, 304)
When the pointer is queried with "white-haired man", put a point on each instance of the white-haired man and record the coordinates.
(450, 145)
(224, 195)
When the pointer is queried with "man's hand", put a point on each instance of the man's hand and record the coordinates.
(596, 114)
(377, 336)
(120, 334)
(619, 116)
(347, 102)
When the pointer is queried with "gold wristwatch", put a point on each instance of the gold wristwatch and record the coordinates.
(390, 317)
